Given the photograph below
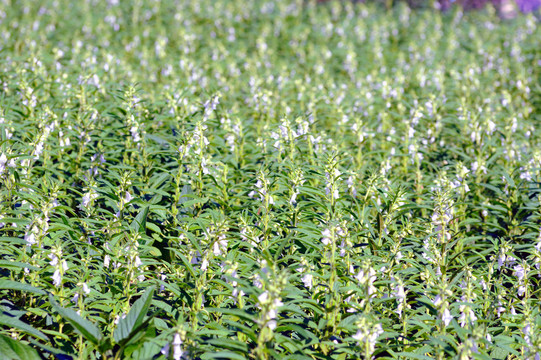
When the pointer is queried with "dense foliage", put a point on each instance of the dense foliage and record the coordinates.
(280, 179)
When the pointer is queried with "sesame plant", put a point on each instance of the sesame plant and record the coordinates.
(268, 180)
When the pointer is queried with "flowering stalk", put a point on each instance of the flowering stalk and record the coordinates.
(367, 335)
(267, 200)
(269, 302)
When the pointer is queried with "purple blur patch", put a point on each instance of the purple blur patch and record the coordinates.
(527, 6)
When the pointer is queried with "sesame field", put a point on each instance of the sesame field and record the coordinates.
(268, 180)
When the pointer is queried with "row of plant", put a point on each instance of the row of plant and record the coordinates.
(280, 179)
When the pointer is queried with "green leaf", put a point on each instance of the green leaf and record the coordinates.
(146, 351)
(59, 354)
(499, 354)
(185, 194)
(230, 344)
(12, 240)
(233, 312)
(82, 326)
(139, 224)
(15, 350)
(185, 261)
(13, 322)
(157, 139)
(222, 355)
(135, 317)
(154, 228)
(15, 285)
(411, 355)
(380, 223)
(304, 333)
(16, 264)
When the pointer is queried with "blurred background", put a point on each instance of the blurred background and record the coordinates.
(505, 8)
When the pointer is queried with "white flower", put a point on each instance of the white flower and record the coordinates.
(501, 260)
(57, 278)
(525, 175)
(326, 239)
(87, 198)
(271, 324)
(165, 350)
(367, 279)
(519, 272)
(271, 306)
(447, 317)
(400, 294)
(467, 313)
(263, 297)
(284, 132)
(135, 134)
(38, 150)
(162, 278)
(307, 280)
(293, 199)
(204, 167)
(178, 352)
(54, 259)
(86, 289)
(368, 335)
(3, 161)
(204, 264)
(220, 246)
(526, 331)
(30, 238)
(359, 336)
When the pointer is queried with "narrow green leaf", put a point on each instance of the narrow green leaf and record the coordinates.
(234, 312)
(16, 350)
(146, 351)
(15, 285)
(380, 224)
(411, 355)
(15, 323)
(185, 194)
(16, 264)
(83, 326)
(230, 344)
(135, 316)
(222, 355)
(139, 224)
(12, 240)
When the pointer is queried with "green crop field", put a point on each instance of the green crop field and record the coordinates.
(268, 180)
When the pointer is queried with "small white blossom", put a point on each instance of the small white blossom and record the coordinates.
(86, 289)
(307, 280)
(57, 278)
(446, 317)
(88, 198)
(178, 352)
(326, 239)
